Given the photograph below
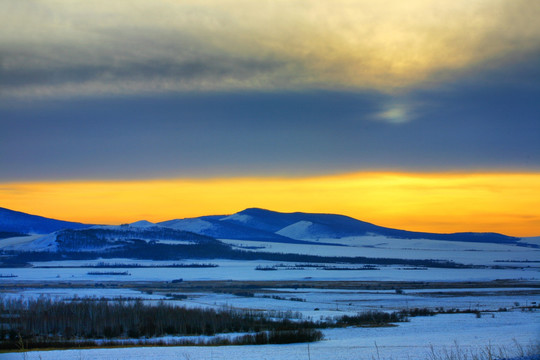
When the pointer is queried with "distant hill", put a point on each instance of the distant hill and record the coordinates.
(19, 222)
(256, 224)
(221, 227)
(265, 225)
(327, 237)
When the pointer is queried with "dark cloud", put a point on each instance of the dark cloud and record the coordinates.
(208, 69)
(469, 125)
(487, 118)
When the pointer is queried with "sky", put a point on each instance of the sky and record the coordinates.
(422, 115)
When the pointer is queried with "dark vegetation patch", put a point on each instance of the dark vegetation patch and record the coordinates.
(276, 297)
(104, 265)
(8, 276)
(266, 268)
(316, 266)
(42, 323)
(372, 318)
(259, 338)
(125, 273)
(76, 240)
(266, 286)
(139, 249)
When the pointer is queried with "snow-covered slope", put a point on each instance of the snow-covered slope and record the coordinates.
(298, 230)
(143, 224)
(237, 226)
(307, 226)
(196, 225)
(19, 242)
(329, 232)
(39, 243)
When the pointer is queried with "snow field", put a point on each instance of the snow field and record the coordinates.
(316, 304)
(384, 247)
(245, 270)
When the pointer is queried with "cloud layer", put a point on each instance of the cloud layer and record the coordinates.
(65, 48)
(468, 128)
(161, 88)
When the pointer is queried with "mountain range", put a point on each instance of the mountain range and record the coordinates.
(256, 225)
(252, 234)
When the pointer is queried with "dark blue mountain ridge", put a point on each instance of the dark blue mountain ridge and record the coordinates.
(338, 226)
(16, 221)
(259, 225)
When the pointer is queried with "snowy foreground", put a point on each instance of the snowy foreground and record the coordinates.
(421, 338)
(417, 339)
(413, 340)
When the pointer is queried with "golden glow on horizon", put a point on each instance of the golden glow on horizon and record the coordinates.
(508, 203)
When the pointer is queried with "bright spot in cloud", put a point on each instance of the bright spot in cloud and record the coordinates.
(395, 114)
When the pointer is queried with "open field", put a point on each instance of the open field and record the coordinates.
(322, 299)
(491, 303)
(246, 270)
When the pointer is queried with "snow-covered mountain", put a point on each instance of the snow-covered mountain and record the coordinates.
(266, 225)
(229, 227)
(138, 238)
(250, 225)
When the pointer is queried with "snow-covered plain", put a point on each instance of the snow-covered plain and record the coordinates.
(411, 340)
(316, 304)
(320, 303)
(245, 270)
(385, 247)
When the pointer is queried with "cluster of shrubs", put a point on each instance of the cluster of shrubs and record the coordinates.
(417, 312)
(41, 321)
(44, 323)
(266, 268)
(371, 318)
(103, 264)
(276, 297)
(259, 338)
(318, 267)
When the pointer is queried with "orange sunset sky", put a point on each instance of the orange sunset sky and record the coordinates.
(489, 202)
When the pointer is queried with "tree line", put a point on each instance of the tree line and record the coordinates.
(43, 321)
(139, 249)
